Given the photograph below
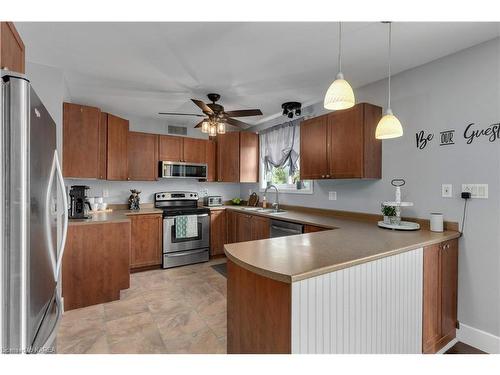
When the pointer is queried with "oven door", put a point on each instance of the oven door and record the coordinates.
(172, 244)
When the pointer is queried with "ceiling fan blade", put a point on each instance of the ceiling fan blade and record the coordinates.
(180, 114)
(205, 108)
(237, 123)
(198, 125)
(244, 112)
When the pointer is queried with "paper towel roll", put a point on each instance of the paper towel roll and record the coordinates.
(436, 222)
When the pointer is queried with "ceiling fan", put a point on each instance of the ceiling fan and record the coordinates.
(215, 117)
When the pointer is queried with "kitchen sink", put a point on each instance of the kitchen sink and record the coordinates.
(263, 210)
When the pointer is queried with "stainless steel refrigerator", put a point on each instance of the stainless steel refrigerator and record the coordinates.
(32, 201)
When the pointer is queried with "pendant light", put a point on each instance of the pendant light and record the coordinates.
(205, 126)
(221, 127)
(389, 126)
(213, 129)
(339, 94)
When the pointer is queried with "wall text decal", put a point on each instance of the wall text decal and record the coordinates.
(423, 139)
(492, 132)
(447, 137)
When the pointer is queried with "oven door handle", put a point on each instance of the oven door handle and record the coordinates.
(181, 254)
(202, 215)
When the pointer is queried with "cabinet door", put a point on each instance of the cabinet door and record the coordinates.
(346, 143)
(260, 228)
(194, 150)
(228, 157)
(231, 225)
(146, 247)
(142, 156)
(431, 329)
(217, 232)
(80, 141)
(103, 147)
(249, 157)
(210, 157)
(243, 227)
(170, 148)
(117, 168)
(449, 286)
(11, 48)
(313, 148)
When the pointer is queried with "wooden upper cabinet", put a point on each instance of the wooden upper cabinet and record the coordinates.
(249, 157)
(146, 243)
(314, 148)
(142, 156)
(228, 157)
(439, 295)
(211, 157)
(12, 55)
(342, 144)
(81, 138)
(217, 232)
(103, 146)
(194, 150)
(170, 148)
(117, 148)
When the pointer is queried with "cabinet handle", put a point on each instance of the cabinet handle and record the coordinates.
(328, 175)
(322, 176)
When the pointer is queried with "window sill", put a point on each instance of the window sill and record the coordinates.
(290, 191)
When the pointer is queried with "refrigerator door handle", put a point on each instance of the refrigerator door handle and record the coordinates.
(53, 332)
(48, 231)
(60, 250)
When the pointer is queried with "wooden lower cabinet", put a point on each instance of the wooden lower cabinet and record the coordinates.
(259, 228)
(313, 228)
(244, 227)
(95, 264)
(217, 232)
(146, 243)
(439, 295)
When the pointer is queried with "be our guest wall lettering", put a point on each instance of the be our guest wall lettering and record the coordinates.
(472, 133)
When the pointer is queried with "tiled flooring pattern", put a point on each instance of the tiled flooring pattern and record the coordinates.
(179, 310)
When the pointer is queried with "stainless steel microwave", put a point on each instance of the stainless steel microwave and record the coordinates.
(174, 169)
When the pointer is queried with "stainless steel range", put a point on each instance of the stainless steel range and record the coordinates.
(186, 228)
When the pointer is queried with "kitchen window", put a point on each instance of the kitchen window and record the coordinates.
(280, 159)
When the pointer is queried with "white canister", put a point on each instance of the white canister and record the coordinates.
(436, 222)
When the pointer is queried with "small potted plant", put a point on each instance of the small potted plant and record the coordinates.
(389, 213)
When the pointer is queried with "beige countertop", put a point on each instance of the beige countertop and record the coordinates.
(352, 242)
(115, 216)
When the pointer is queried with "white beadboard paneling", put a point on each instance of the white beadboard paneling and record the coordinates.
(374, 307)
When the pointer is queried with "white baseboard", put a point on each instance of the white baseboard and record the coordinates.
(447, 346)
(479, 339)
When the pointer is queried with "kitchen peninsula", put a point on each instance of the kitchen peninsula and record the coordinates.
(354, 288)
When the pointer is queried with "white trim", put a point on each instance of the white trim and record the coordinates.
(445, 348)
(479, 339)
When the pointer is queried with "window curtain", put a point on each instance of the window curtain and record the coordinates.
(280, 145)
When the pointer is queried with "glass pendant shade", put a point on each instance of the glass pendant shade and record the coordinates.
(339, 95)
(213, 130)
(221, 128)
(205, 127)
(388, 127)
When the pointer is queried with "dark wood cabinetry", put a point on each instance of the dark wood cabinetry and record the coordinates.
(81, 141)
(259, 228)
(342, 144)
(117, 151)
(95, 264)
(218, 235)
(249, 157)
(244, 227)
(211, 158)
(146, 244)
(102, 161)
(170, 148)
(228, 157)
(439, 295)
(12, 55)
(194, 150)
(142, 156)
(313, 228)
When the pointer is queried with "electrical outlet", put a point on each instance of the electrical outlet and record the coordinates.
(476, 190)
(332, 195)
(446, 190)
(105, 193)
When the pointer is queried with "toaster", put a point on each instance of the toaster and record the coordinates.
(212, 200)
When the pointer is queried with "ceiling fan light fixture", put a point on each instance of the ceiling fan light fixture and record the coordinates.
(221, 128)
(205, 126)
(213, 130)
(340, 94)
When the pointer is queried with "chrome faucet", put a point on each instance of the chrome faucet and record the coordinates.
(276, 205)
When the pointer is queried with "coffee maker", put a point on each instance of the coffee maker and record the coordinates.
(78, 207)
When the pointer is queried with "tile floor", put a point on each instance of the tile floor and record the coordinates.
(179, 310)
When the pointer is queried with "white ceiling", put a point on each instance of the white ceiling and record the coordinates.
(139, 69)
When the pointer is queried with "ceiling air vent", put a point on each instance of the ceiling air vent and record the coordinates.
(177, 130)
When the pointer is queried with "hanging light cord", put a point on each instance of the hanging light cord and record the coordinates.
(340, 47)
(390, 55)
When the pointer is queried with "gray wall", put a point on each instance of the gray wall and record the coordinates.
(445, 94)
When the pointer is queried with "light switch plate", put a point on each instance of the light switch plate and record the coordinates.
(447, 191)
(476, 190)
(332, 195)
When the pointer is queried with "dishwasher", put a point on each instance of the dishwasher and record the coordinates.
(281, 228)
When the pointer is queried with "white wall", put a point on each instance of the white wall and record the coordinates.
(448, 93)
